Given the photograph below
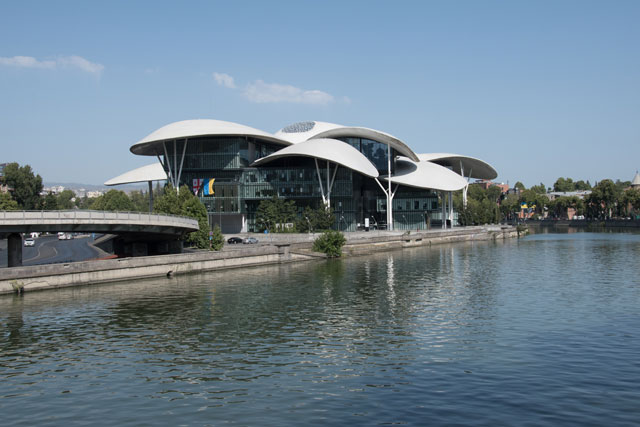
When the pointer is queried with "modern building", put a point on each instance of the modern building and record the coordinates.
(356, 171)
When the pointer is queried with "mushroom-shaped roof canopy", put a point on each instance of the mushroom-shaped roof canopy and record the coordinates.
(151, 145)
(304, 131)
(326, 149)
(473, 168)
(426, 175)
(153, 172)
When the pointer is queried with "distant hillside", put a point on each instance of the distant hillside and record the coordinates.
(93, 187)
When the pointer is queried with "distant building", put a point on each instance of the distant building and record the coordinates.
(485, 184)
(579, 194)
(94, 194)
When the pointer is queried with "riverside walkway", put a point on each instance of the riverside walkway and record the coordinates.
(131, 227)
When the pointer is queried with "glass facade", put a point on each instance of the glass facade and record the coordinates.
(239, 188)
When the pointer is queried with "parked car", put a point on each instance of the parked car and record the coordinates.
(29, 242)
(250, 240)
(234, 240)
(62, 236)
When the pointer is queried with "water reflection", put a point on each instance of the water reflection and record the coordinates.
(451, 333)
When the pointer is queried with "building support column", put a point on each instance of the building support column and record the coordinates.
(326, 198)
(14, 250)
(168, 164)
(451, 208)
(184, 151)
(389, 195)
(443, 209)
(150, 196)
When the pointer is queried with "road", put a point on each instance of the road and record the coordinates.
(50, 250)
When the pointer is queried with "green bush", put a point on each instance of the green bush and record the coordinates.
(330, 243)
(217, 239)
(186, 203)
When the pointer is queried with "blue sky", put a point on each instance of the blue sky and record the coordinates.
(539, 89)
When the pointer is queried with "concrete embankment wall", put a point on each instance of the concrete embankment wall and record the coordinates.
(285, 248)
(609, 223)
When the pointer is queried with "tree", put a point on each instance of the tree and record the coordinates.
(631, 201)
(539, 189)
(520, 186)
(7, 203)
(193, 208)
(24, 186)
(273, 214)
(482, 206)
(140, 201)
(217, 239)
(113, 200)
(84, 202)
(49, 202)
(602, 200)
(582, 186)
(65, 199)
(509, 206)
(621, 185)
(560, 206)
(312, 220)
(187, 204)
(564, 185)
(330, 243)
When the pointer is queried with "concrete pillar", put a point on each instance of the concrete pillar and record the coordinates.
(14, 250)
(283, 251)
(150, 197)
(451, 208)
(444, 210)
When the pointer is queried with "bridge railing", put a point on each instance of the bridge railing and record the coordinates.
(94, 215)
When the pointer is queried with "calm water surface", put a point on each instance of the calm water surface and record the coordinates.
(538, 331)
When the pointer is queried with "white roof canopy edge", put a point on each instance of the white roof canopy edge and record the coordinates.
(153, 172)
(376, 135)
(464, 165)
(326, 149)
(151, 145)
(426, 175)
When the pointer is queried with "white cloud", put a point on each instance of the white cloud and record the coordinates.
(261, 92)
(224, 80)
(81, 63)
(73, 61)
(26, 62)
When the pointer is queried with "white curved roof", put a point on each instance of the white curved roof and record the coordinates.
(304, 131)
(326, 149)
(426, 175)
(478, 168)
(636, 180)
(154, 172)
(151, 145)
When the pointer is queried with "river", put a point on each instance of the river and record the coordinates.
(542, 330)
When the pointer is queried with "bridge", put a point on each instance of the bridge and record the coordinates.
(137, 233)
